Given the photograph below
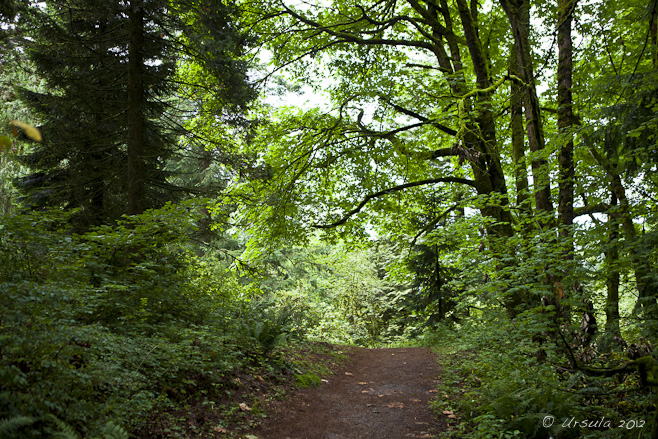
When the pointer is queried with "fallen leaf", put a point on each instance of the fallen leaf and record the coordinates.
(452, 416)
(362, 383)
(395, 405)
(364, 391)
(221, 430)
(244, 407)
(259, 378)
(324, 381)
(415, 400)
(370, 405)
(349, 374)
(434, 391)
(447, 412)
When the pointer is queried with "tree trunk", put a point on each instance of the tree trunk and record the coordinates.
(565, 118)
(205, 234)
(487, 169)
(646, 294)
(136, 126)
(518, 137)
(518, 14)
(653, 32)
(612, 274)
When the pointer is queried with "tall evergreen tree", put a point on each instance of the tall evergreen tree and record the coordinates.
(111, 119)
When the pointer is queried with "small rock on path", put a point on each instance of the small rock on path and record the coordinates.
(378, 394)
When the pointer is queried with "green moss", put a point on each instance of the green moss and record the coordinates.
(307, 380)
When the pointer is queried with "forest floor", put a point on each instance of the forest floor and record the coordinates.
(377, 394)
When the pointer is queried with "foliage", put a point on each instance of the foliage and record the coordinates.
(112, 114)
(498, 382)
(454, 203)
(115, 323)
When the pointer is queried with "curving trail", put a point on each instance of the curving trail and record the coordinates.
(378, 394)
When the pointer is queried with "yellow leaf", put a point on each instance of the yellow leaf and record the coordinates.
(30, 131)
(5, 143)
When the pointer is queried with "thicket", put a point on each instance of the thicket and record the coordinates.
(105, 328)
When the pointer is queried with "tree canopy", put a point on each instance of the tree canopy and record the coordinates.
(480, 177)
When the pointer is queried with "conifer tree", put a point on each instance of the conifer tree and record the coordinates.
(111, 118)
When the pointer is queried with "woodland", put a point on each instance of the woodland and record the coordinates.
(198, 197)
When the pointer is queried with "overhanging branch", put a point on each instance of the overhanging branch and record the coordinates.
(401, 187)
(589, 209)
(422, 118)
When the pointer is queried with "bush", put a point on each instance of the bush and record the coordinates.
(100, 327)
(499, 385)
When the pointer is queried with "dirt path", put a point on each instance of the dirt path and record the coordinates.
(379, 394)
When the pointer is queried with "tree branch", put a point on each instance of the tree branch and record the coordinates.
(444, 152)
(587, 210)
(348, 37)
(415, 115)
(401, 187)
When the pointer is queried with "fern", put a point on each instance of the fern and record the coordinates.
(113, 431)
(9, 426)
(65, 430)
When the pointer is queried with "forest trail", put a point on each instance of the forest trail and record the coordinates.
(378, 394)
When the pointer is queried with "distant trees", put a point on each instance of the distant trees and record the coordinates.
(119, 97)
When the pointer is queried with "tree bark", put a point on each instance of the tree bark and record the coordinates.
(136, 127)
(653, 32)
(487, 169)
(518, 13)
(518, 137)
(612, 274)
(646, 294)
(565, 118)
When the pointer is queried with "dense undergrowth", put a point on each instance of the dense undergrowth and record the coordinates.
(131, 331)
(126, 331)
(499, 383)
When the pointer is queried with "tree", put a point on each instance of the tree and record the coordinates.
(423, 88)
(111, 118)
